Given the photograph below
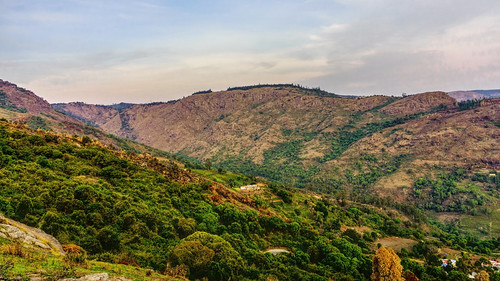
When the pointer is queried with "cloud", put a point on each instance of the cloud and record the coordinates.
(410, 46)
(143, 51)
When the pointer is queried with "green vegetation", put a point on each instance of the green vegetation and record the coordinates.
(227, 178)
(281, 164)
(305, 90)
(469, 104)
(118, 210)
(37, 122)
(450, 192)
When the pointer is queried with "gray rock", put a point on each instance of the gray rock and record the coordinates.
(96, 277)
(29, 236)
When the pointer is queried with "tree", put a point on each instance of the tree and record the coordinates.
(410, 276)
(195, 255)
(464, 264)
(208, 164)
(208, 255)
(483, 276)
(386, 266)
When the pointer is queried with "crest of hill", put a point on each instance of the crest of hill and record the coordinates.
(419, 103)
(304, 90)
(95, 114)
(22, 100)
(23, 106)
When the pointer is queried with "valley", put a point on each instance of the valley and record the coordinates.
(327, 180)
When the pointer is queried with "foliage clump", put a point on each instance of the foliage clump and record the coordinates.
(386, 266)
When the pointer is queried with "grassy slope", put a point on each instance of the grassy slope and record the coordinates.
(29, 263)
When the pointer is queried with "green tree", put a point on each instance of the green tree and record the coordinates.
(201, 251)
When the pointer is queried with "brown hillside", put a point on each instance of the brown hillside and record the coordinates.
(24, 106)
(233, 122)
(466, 139)
(418, 103)
(95, 114)
(23, 98)
(301, 139)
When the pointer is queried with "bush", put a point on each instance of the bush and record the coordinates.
(75, 255)
(14, 249)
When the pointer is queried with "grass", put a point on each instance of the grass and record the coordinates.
(483, 225)
(51, 267)
(228, 179)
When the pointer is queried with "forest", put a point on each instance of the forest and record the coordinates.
(130, 209)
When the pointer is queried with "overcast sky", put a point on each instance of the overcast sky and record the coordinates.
(106, 52)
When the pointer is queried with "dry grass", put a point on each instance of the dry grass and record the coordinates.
(397, 243)
(14, 249)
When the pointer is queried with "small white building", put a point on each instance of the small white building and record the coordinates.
(447, 262)
(251, 187)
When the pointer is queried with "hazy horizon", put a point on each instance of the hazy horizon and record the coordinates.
(153, 51)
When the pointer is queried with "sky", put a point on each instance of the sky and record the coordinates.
(141, 51)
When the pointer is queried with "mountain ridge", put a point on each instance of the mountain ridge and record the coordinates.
(253, 123)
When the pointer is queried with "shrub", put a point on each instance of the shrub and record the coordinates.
(15, 249)
(75, 255)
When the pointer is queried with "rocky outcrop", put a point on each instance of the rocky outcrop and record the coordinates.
(97, 277)
(29, 236)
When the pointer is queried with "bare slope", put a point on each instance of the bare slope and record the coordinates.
(293, 136)
(237, 122)
(95, 114)
(21, 105)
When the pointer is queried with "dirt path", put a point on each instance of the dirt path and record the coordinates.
(276, 251)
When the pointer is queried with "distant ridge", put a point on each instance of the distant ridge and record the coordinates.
(474, 94)
(315, 91)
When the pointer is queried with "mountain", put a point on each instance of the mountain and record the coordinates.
(363, 148)
(401, 159)
(295, 137)
(21, 105)
(474, 94)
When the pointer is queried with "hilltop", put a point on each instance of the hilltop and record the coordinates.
(294, 137)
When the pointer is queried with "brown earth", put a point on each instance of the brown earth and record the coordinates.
(397, 243)
(249, 123)
(418, 103)
(23, 105)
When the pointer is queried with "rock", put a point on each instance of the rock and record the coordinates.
(96, 277)
(29, 236)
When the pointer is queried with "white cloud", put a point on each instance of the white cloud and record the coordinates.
(143, 51)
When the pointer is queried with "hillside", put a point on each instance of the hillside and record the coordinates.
(23, 106)
(136, 210)
(295, 138)
(363, 149)
(474, 94)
